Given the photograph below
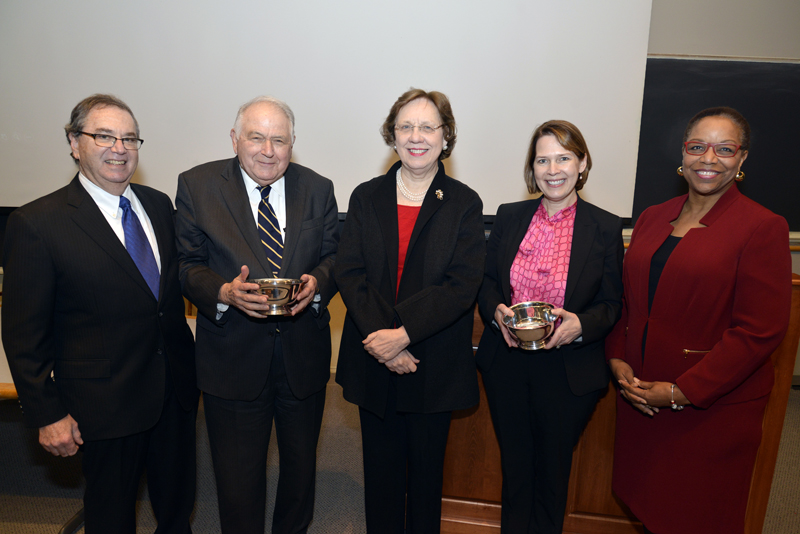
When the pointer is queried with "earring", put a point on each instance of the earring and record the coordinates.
(445, 146)
(739, 176)
(394, 147)
(680, 170)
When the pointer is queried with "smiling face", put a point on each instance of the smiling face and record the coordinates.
(110, 168)
(264, 142)
(418, 152)
(556, 171)
(709, 174)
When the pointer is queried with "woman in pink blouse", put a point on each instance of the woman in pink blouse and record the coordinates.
(562, 250)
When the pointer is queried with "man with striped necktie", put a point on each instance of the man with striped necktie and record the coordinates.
(92, 296)
(258, 215)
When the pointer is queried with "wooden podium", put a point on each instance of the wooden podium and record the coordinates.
(472, 476)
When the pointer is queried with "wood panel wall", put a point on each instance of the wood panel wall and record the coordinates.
(471, 496)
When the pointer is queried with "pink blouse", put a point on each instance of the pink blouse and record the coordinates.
(539, 271)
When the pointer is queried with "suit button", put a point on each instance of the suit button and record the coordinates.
(161, 314)
(159, 351)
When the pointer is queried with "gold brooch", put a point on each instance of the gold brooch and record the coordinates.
(439, 194)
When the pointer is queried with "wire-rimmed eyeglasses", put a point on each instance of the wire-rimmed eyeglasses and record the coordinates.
(107, 141)
(722, 150)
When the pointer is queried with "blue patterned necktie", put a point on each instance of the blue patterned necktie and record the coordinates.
(269, 231)
(139, 246)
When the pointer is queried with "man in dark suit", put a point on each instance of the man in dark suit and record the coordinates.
(257, 216)
(95, 331)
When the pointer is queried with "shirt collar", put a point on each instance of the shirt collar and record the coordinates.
(563, 214)
(107, 202)
(278, 186)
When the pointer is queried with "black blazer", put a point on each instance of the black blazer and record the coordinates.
(441, 276)
(76, 304)
(216, 236)
(594, 287)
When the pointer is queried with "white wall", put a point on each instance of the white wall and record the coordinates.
(726, 28)
(184, 67)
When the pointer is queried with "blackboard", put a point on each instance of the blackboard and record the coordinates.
(767, 94)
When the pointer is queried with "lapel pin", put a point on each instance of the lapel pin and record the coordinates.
(439, 194)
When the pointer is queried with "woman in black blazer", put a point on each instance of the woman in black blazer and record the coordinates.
(541, 401)
(406, 353)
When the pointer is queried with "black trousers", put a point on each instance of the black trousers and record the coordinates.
(114, 467)
(239, 433)
(403, 469)
(538, 421)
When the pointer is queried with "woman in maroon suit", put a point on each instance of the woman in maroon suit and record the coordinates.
(706, 301)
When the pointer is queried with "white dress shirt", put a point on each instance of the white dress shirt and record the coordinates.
(109, 207)
(277, 199)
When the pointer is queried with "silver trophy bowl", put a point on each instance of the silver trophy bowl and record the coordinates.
(532, 323)
(281, 293)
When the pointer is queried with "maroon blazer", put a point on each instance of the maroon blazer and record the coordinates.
(722, 304)
(720, 309)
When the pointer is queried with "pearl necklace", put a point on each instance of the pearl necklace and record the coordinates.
(413, 197)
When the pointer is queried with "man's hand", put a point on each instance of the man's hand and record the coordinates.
(306, 294)
(61, 438)
(238, 293)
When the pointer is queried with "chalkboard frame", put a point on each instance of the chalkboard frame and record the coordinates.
(766, 93)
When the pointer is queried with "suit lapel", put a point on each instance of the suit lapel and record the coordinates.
(517, 233)
(430, 205)
(384, 202)
(235, 195)
(89, 219)
(296, 194)
(583, 233)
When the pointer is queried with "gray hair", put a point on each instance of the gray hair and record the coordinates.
(280, 104)
(77, 119)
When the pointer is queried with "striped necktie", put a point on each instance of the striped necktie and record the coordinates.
(269, 230)
(138, 246)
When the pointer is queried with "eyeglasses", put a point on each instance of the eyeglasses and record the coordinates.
(424, 129)
(722, 150)
(107, 141)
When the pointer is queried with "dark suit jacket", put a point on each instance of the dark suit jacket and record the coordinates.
(594, 287)
(441, 275)
(75, 304)
(216, 236)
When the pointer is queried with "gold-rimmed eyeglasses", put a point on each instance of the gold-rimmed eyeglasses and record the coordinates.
(424, 129)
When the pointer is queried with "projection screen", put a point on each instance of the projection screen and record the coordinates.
(185, 67)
